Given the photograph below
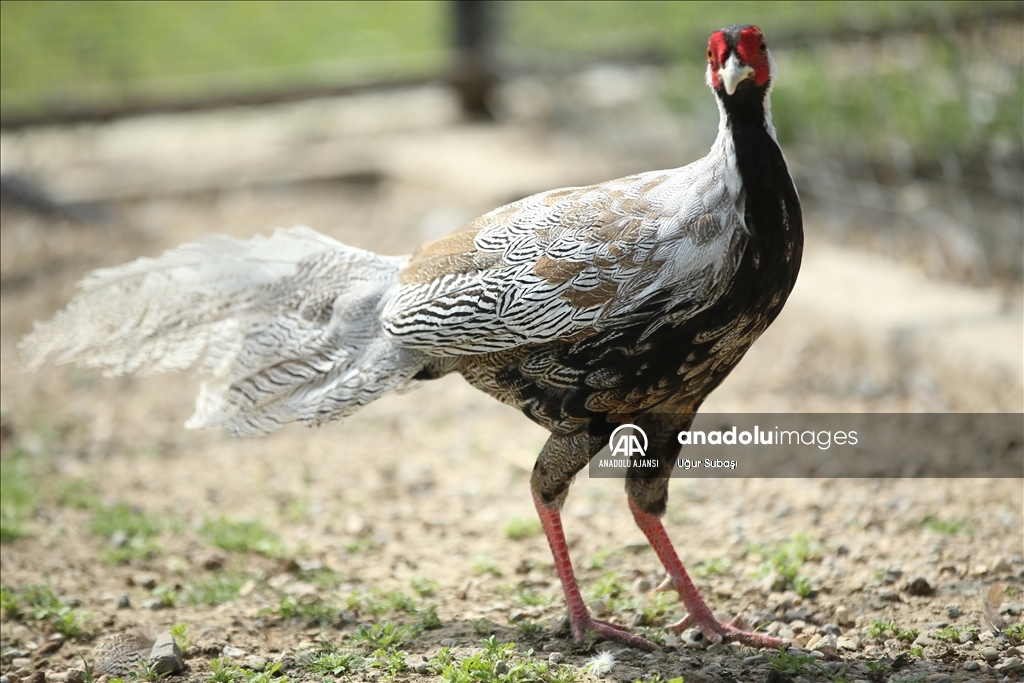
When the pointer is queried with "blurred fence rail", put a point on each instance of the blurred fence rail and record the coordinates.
(62, 62)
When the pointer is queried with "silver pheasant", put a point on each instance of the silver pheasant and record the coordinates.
(587, 307)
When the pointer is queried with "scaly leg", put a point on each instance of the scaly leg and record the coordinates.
(579, 616)
(698, 614)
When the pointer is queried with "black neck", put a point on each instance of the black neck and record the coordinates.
(773, 215)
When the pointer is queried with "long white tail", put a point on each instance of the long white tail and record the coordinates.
(286, 327)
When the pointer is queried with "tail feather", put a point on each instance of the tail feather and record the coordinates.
(286, 326)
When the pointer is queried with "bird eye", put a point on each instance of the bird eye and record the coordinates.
(711, 55)
(763, 48)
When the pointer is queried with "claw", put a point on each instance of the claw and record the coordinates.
(604, 629)
(666, 585)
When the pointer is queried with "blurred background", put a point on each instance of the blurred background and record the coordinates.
(904, 118)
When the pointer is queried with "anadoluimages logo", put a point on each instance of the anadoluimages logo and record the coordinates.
(625, 443)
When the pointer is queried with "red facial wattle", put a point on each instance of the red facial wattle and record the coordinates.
(750, 48)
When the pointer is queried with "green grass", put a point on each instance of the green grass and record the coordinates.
(384, 636)
(235, 536)
(1016, 633)
(112, 50)
(17, 498)
(951, 634)
(787, 559)
(878, 628)
(38, 602)
(518, 528)
(945, 527)
(330, 661)
(312, 608)
(225, 671)
(137, 527)
(482, 666)
(707, 568)
(216, 589)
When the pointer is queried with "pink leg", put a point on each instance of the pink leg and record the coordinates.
(579, 616)
(698, 614)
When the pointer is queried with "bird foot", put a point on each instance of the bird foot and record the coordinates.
(717, 632)
(588, 626)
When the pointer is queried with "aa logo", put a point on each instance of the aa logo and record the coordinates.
(628, 440)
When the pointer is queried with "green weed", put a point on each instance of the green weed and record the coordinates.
(519, 528)
(384, 636)
(241, 537)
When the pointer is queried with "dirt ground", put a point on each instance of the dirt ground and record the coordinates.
(422, 500)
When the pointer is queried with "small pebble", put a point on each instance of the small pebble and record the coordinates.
(843, 616)
(550, 647)
(924, 640)
(555, 657)
(501, 668)
(74, 676)
(447, 642)
(11, 653)
(851, 643)
(830, 630)
(5, 679)
(233, 652)
(21, 663)
(642, 585)
(826, 644)
(971, 665)
(940, 678)
(717, 648)
(598, 608)
(920, 586)
(953, 611)
(423, 667)
(1008, 666)
(989, 653)
(888, 595)
(1013, 652)
(1002, 566)
(891, 576)
(753, 661)
(123, 602)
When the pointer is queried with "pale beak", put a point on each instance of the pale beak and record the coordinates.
(732, 72)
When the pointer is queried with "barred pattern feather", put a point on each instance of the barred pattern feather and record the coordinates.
(286, 327)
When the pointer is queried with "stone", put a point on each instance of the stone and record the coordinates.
(891, 576)
(843, 616)
(851, 643)
(233, 652)
(556, 657)
(953, 611)
(989, 653)
(642, 585)
(919, 586)
(971, 665)
(1009, 666)
(123, 602)
(447, 642)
